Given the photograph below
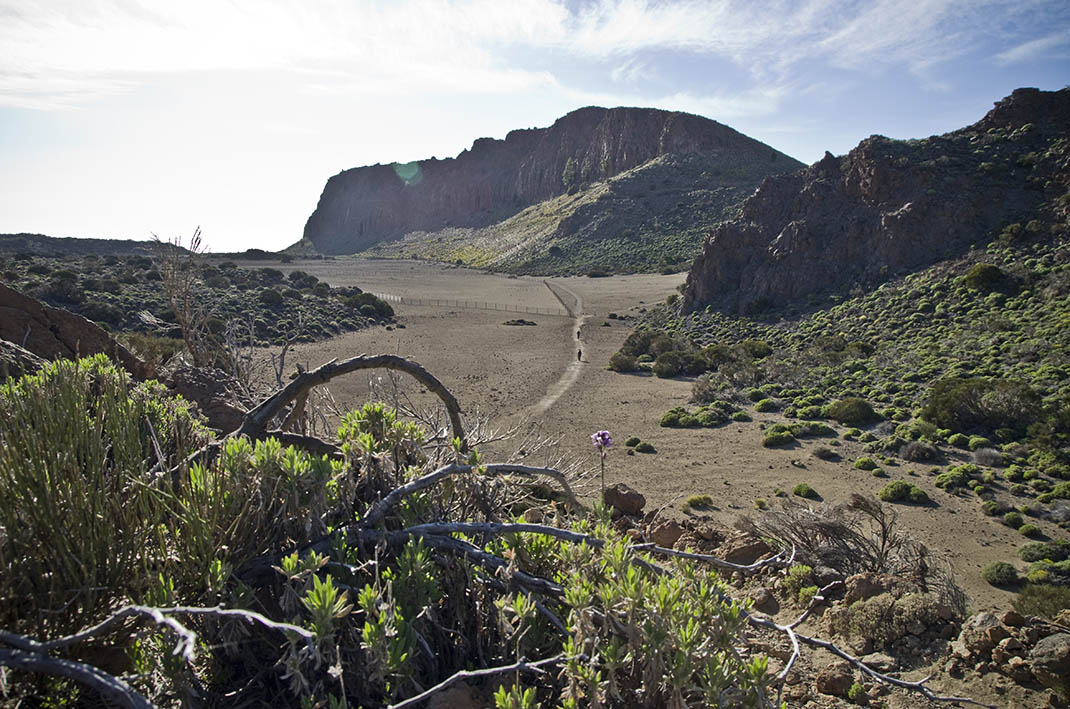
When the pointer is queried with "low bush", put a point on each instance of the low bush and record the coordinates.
(978, 443)
(918, 452)
(1029, 530)
(1057, 550)
(645, 447)
(1013, 519)
(774, 439)
(826, 453)
(804, 490)
(1042, 600)
(851, 411)
(865, 463)
(959, 440)
(632, 441)
(765, 406)
(1000, 574)
(622, 362)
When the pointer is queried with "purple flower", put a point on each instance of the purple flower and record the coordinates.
(601, 441)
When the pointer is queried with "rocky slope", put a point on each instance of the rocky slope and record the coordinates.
(594, 157)
(888, 207)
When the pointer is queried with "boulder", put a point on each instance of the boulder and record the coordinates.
(835, 679)
(665, 532)
(866, 585)
(743, 548)
(219, 396)
(880, 662)
(17, 361)
(52, 333)
(1050, 662)
(764, 600)
(624, 499)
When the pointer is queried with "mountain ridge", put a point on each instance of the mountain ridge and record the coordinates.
(495, 180)
(887, 207)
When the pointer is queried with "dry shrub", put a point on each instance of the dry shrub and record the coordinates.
(856, 537)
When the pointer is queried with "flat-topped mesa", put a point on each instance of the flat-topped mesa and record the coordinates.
(497, 178)
(886, 208)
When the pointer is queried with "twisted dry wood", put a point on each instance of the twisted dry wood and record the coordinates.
(256, 421)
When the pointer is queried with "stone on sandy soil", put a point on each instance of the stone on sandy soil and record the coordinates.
(665, 532)
(1050, 659)
(824, 575)
(835, 679)
(16, 361)
(979, 635)
(880, 662)
(1018, 670)
(743, 548)
(218, 395)
(764, 600)
(866, 585)
(621, 497)
(1012, 619)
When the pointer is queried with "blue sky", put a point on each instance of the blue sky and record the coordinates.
(123, 118)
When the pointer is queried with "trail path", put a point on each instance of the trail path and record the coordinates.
(573, 304)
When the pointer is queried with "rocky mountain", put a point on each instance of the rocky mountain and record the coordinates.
(889, 207)
(532, 201)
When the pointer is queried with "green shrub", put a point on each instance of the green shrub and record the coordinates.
(1029, 530)
(978, 442)
(270, 297)
(1000, 574)
(774, 439)
(985, 277)
(1042, 600)
(804, 490)
(959, 440)
(856, 693)
(806, 594)
(765, 406)
(990, 404)
(1013, 519)
(799, 576)
(741, 417)
(622, 362)
(1057, 550)
(918, 496)
(632, 441)
(851, 411)
(699, 501)
(895, 491)
(755, 349)
(644, 447)
(865, 463)
(669, 364)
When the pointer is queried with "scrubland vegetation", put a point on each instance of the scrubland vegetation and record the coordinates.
(125, 294)
(967, 359)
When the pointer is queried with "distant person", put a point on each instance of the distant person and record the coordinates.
(579, 355)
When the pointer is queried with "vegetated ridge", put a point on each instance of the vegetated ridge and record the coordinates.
(886, 208)
(626, 189)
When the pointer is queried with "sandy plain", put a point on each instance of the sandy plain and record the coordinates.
(529, 378)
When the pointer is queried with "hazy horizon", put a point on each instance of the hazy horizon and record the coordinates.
(125, 118)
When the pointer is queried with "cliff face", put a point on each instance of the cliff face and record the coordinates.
(886, 207)
(496, 179)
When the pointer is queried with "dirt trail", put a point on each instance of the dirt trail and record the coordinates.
(572, 371)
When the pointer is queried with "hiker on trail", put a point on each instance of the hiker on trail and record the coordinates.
(579, 355)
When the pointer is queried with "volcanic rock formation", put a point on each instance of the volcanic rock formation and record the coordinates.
(496, 179)
(887, 207)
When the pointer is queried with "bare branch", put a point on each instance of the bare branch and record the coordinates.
(107, 685)
(714, 561)
(257, 419)
(521, 666)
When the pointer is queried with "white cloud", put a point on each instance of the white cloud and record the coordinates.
(1032, 49)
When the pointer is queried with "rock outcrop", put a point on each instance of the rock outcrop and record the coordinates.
(52, 333)
(887, 207)
(496, 179)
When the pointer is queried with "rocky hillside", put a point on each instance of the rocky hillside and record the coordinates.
(888, 207)
(533, 201)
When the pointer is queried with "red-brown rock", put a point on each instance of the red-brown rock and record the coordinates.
(624, 499)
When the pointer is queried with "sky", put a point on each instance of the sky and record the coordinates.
(128, 118)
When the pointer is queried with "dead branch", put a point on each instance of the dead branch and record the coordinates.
(32, 655)
(256, 421)
(522, 666)
(105, 684)
(377, 511)
(720, 563)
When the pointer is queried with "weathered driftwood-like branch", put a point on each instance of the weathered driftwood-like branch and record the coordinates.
(719, 563)
(521, 666)
(107, 685)
(32, 655)
(256, 421)
(376, 512)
